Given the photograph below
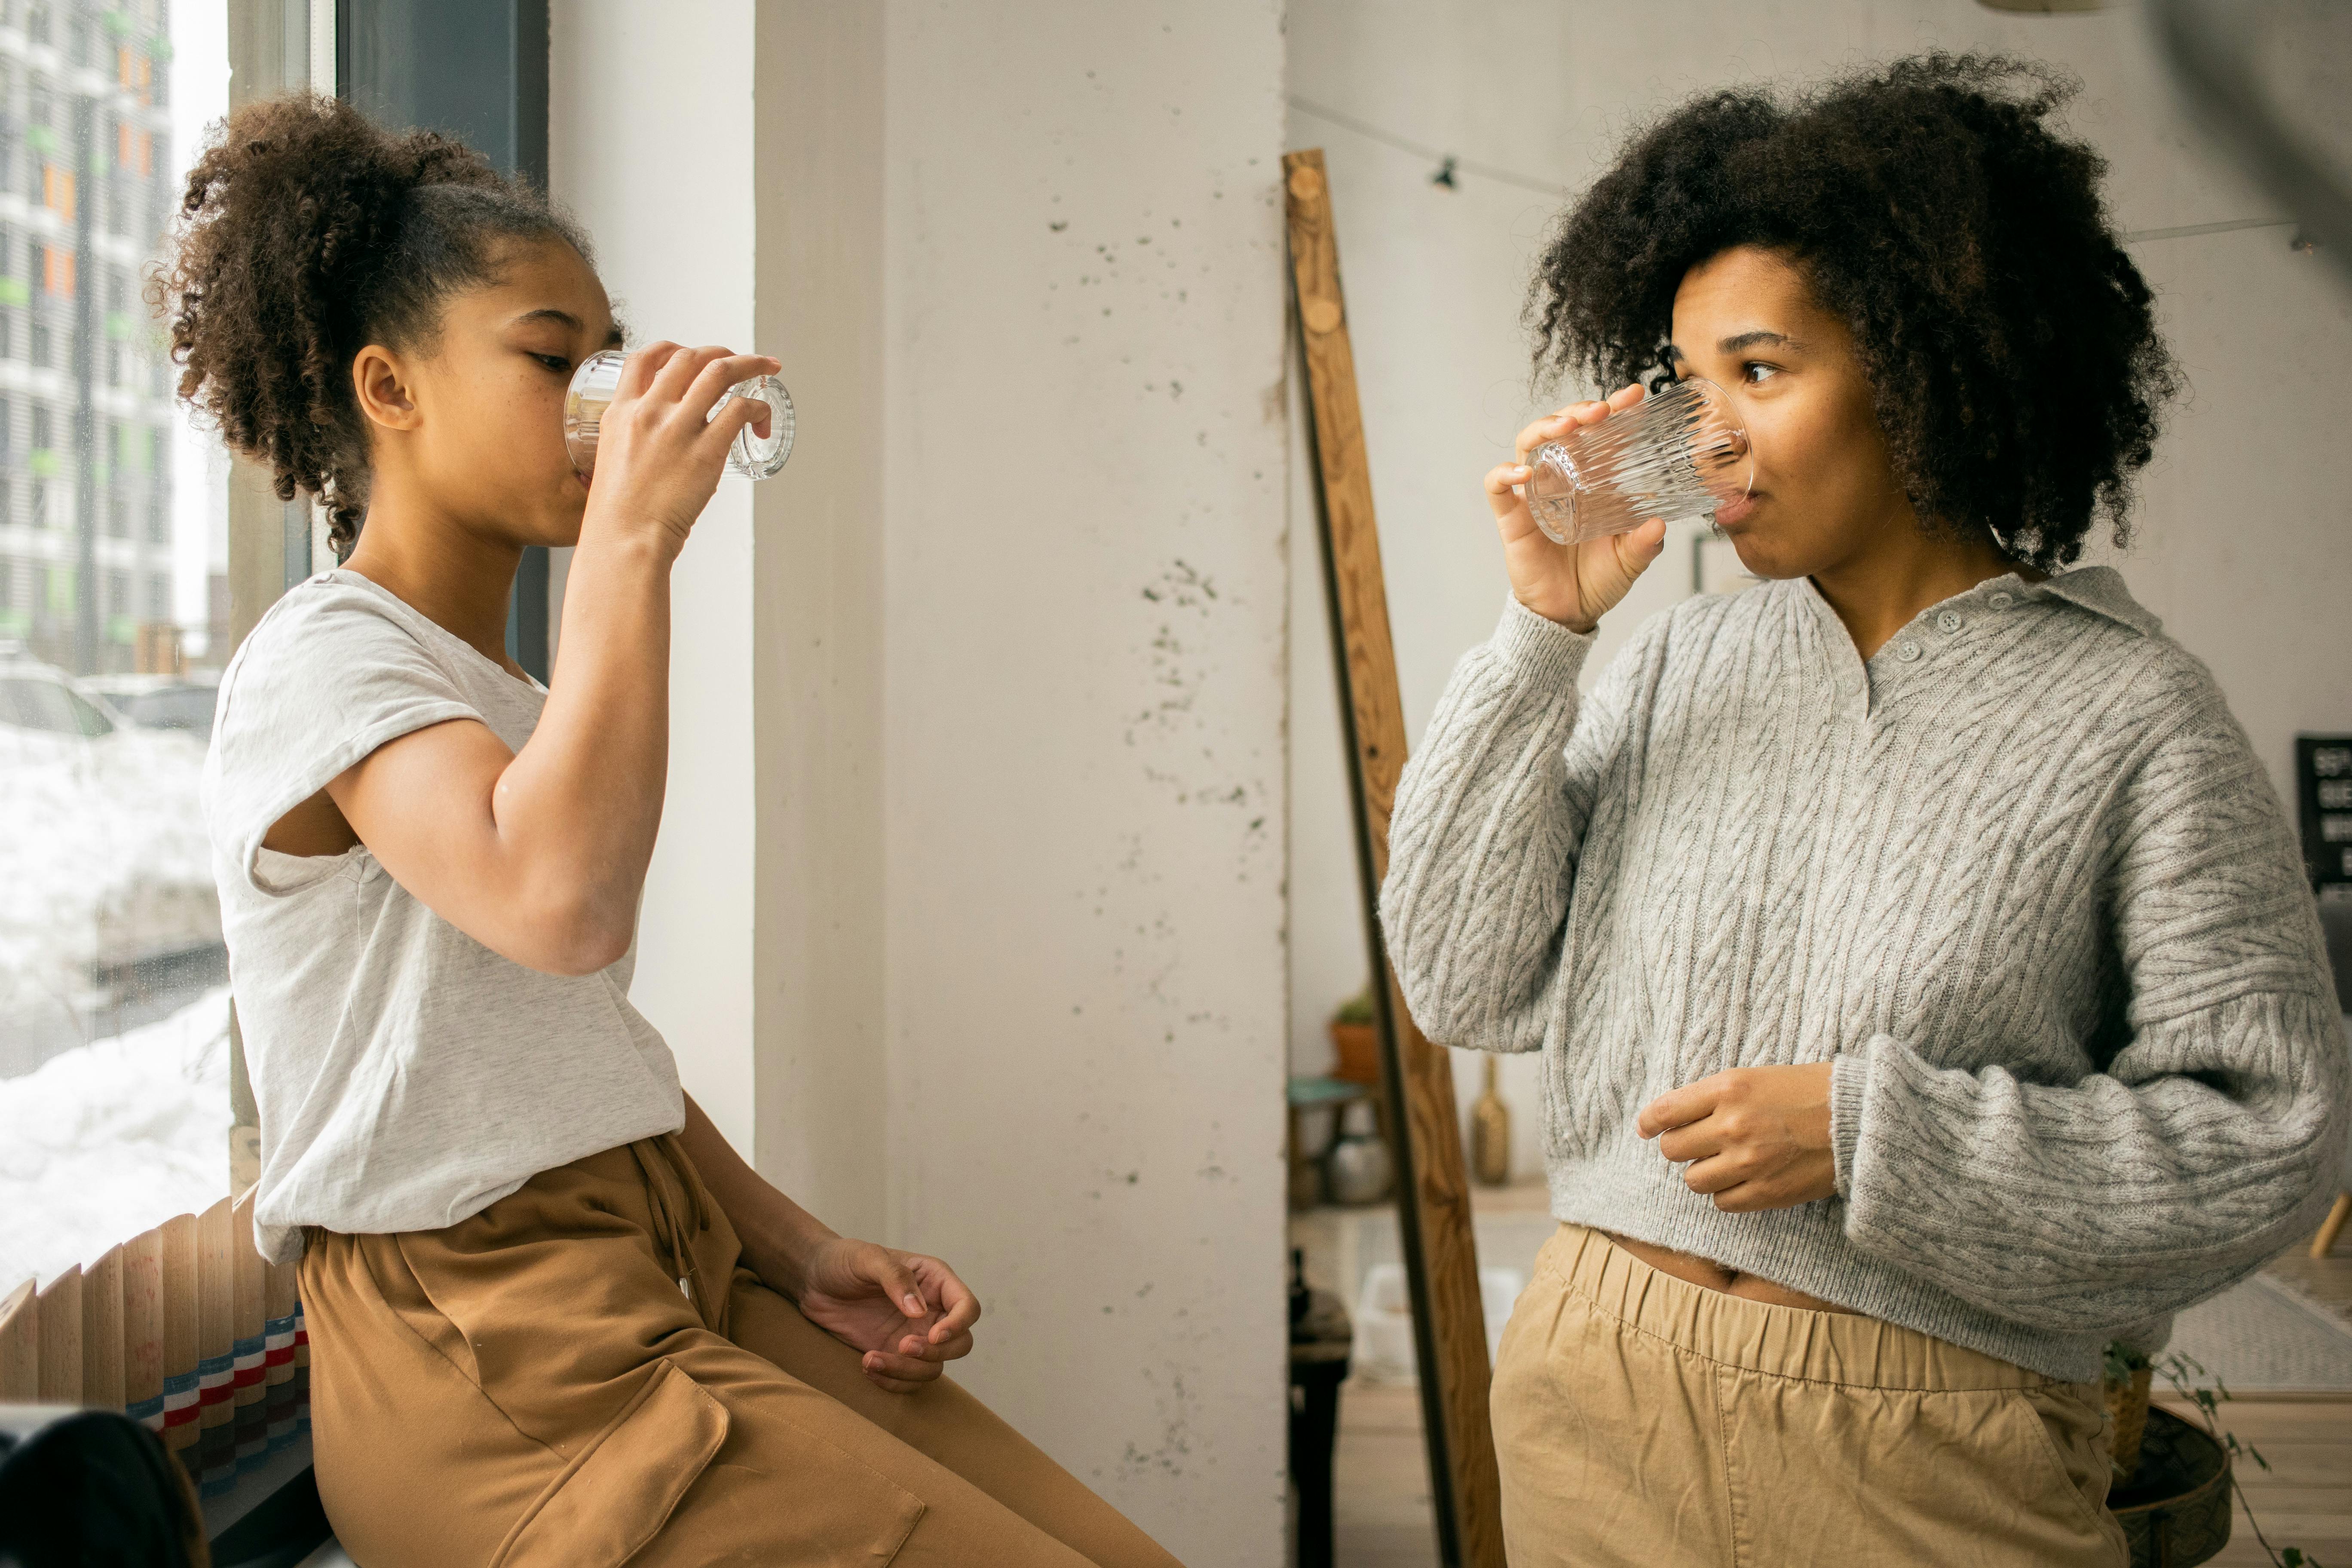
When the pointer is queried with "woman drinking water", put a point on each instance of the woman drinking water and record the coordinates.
(554, 1318)
(1927, 984)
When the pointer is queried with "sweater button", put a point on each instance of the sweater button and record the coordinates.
(1948, 622)
(2002, 601)
(1908, 652)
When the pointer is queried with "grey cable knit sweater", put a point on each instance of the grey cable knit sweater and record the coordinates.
(2020, 876)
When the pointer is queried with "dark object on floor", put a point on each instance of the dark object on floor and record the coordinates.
(92, 1489)
(279, 1531)
(1320, 1340)
(2176, 1512)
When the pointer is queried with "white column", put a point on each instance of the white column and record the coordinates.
(650, 144)
(968, 914)
(1085, 610)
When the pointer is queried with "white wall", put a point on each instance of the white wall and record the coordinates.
(1085, 570)
(669, 204)
(2243, 548)
(968, 913)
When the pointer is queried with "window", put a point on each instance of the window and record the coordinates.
(77, 459)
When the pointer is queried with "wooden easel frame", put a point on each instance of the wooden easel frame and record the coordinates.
(1441, 1254)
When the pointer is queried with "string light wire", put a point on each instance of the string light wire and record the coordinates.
(1449, 165)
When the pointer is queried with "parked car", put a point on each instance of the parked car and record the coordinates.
(106, 905)
(161, 701)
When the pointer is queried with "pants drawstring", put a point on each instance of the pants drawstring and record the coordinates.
(678, 1217)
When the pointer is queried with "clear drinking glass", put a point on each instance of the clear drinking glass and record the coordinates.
(1679, 452)
(751, 455)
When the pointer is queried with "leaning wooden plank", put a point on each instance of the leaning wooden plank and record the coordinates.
(20, 1345)
(251, 1348)
(1433, 1199)
(214, 1463)
(61, 1339)
(101, 1333)
(282, 1408)
(278, 1304)
(215, 1314)
(182, 1393)
(142, 1329)
(250, 1275)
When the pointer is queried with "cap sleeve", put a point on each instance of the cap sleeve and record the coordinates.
(330, 675)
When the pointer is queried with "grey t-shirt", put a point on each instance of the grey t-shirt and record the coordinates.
(408, 1076)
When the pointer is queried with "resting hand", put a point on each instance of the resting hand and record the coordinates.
(906, 1314)
(1574, 585)
(1755, 1138)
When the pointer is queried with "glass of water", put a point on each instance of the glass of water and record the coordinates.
(751, 455)
(1679, 452)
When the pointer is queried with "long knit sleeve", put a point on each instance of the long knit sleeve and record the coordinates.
(1482, 845)
(2211, 1132)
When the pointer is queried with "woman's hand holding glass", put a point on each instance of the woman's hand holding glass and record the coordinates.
(1574, 585)
(661, 449)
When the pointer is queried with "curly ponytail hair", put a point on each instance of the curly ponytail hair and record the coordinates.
(2011, 343)
(306, 234)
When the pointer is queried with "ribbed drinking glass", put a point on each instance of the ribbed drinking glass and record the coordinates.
(751, 455)
(1679, 452)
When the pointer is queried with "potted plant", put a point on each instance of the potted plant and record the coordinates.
(1355, 1039)
(2129, 1376)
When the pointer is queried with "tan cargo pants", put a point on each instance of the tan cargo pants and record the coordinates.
(532, 1389)
(1641, 1420)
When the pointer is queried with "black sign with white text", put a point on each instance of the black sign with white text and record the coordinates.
(2323, 784)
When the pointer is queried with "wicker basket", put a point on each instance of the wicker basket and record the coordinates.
(2176, 1512)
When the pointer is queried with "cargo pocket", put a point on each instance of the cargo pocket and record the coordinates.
(620, 1488)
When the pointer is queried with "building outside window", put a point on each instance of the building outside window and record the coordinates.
(114, 606)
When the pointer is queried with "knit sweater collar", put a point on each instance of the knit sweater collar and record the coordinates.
(2098, 589)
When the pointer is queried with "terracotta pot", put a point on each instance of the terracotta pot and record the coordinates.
(2127, 1408)
(1359, 1047)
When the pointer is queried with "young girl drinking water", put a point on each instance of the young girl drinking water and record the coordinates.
(554, 1318)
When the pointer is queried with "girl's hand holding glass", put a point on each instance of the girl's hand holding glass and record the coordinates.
(1574, 585)
(659, 445)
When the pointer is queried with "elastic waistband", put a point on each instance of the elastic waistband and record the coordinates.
(1839, 1348)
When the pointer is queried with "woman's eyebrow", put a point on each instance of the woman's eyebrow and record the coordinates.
(1737, 343)
(612, 339)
